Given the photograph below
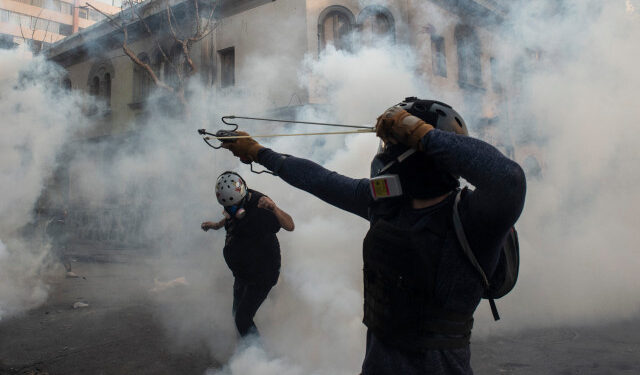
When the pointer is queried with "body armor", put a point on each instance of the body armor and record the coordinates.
(400, 269)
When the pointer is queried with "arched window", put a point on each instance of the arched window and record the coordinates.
(100, 76)
(158, 65)
(376, 23)
(334, 27)
(469, 56)
(142, 83)
(107, 89)
(94, 88)
(178, 63)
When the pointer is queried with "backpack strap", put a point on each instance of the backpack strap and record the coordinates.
(462, 239)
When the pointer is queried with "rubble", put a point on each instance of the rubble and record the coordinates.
(79, 305)
(161, 286)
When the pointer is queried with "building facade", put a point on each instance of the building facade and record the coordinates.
(454, 45)
(42, 22)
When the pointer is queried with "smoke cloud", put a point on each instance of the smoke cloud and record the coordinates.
(32, 136)
(575, 107)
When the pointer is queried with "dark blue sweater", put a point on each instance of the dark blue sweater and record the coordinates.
(487, 213)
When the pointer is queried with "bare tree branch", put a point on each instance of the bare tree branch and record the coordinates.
(185, 43)
(202, 33)
(187, 56)
(195, 6)
(143, 65)
(152, 35)
(169, 16)
(23, 37)
(46, 31)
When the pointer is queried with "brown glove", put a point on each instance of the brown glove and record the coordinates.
(244, 148)
(396, 125)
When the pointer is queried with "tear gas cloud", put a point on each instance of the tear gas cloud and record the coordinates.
(31, 138)
(578, 243)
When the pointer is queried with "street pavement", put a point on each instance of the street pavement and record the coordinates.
(121, 333)
(118, 333)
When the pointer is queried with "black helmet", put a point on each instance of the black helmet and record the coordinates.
(418, 176)
(440, 115)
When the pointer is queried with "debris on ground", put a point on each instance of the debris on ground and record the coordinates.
(72, 275)
(161, 286)
(79, 305)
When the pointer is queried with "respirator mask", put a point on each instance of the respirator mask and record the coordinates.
(398, 170)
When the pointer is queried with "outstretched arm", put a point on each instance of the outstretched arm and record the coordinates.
(284, 218)
(212, 225)
(347, 193)
(343, 192)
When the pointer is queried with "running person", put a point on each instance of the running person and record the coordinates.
(251, 250)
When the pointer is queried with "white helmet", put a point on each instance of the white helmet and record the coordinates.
(230, 189)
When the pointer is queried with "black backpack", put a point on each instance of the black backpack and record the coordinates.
(506, 274)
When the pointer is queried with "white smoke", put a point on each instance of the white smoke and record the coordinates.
(578, 241)
(31, 138)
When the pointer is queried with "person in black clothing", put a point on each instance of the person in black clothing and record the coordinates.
(420, 289)
(251, 249)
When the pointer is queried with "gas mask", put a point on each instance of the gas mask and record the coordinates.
(235, 211)
(397, 170)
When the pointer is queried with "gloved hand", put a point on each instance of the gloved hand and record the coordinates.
(396, 125)
(244, 148)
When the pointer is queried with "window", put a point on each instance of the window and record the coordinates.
(53, 27)
(438, 56)
(40, 24)
(4, 16)
(96, 16)
(37, 3)
(469, 57)
(375, 23)
(107, 89)
(14, 18)
(227, 67)
(94, 89)
(158, 65)
(334, 27)
(65, 30)
(53, 5)
(66, 8)
(142, 83)
(26, 21)
(178, 62)
(100, 77)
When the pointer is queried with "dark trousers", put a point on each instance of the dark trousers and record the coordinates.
(382, 359)
(247, 298)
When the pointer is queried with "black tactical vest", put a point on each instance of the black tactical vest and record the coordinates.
(400, 269)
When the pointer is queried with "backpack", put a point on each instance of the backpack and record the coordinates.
(506, 274)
